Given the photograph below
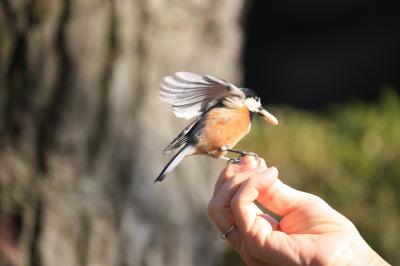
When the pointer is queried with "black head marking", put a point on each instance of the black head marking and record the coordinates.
(250, 93)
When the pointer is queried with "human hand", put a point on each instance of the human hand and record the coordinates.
(310, 232)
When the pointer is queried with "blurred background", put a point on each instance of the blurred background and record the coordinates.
(82, 127)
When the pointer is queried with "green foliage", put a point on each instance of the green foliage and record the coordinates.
(349, 156)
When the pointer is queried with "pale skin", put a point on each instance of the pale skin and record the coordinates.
(310, 232)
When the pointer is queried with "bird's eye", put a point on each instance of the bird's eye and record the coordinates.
(257, 98)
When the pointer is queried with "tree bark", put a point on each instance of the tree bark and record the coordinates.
(82, 129)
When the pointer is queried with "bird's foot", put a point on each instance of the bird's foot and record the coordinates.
(249, 153)
(241, 155)
(234, 160)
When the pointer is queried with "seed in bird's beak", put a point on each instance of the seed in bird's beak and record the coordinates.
(270, 118)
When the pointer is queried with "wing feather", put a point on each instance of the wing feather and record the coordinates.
(183, 137)
(192, 94)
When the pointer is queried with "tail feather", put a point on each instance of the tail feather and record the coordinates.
(174, 162)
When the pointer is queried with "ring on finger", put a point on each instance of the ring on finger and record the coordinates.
(225, 234)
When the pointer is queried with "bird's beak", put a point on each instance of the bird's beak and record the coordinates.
(270, 118)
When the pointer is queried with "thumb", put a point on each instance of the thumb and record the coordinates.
(270, 192)
(282, 199)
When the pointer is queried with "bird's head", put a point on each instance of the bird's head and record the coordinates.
(253, 103)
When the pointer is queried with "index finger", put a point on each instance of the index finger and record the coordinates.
(242, 202)
(247, 163)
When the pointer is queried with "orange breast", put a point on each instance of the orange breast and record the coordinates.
(223, 126)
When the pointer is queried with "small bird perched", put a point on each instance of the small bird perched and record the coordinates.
(222, 116)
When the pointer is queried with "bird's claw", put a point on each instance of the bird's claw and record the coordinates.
(243, 154)
(234, 160)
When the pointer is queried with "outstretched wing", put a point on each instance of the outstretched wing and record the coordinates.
(191, 94)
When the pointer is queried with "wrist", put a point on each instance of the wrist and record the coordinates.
(375, 259)
(356, 252)
(365, 255)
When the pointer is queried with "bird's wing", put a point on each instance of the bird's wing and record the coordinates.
(192, 94)
(183, 137)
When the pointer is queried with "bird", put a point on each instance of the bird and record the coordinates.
(221, 116)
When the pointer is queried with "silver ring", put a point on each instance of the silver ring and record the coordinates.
(225, 234)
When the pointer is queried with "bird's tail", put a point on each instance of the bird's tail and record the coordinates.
(187, 149)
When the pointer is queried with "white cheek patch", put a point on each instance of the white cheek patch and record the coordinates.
(252, 104)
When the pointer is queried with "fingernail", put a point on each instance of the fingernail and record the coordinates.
(244, 161)
(248, 161)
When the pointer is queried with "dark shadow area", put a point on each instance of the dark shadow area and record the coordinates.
(310, 53)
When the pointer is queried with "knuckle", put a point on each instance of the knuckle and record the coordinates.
(237, 180)
(256, 179)
(237, 198)
(273, 171)
(256, 250)
(314, 199)
(253, 180)
(228, 172)
(224, 174)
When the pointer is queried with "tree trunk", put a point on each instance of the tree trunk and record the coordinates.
(82, 129)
